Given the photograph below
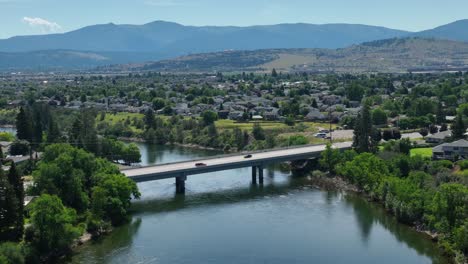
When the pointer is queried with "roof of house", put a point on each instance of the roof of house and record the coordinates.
(458, 143)
(441, 135)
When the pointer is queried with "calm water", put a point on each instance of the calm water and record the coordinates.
(8, 129)
(224, 219)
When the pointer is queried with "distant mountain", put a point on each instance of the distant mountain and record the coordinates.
(106, 44)
(171, 39)
(454, 31)
(66, 59)
(391, 55)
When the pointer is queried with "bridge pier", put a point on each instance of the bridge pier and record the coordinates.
(260, 174)
(180, 184)
(254, 174)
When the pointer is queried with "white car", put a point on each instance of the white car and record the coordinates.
(321, 135)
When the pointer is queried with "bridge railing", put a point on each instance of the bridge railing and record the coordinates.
(229, 155)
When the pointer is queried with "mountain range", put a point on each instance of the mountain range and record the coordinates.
(115, 44)
(391, 55)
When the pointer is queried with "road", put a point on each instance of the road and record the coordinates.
(227, 162)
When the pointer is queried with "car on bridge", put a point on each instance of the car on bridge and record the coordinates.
(247, 156)
(200, 164)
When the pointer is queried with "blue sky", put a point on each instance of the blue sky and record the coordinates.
(25, 17)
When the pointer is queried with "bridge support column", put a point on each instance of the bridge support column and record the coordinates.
(254, 174)
(180, 184)
(260, 174)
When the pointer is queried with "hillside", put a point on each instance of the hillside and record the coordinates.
(392, 55)
(457, 30)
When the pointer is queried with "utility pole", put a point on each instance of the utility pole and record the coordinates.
(330, 122)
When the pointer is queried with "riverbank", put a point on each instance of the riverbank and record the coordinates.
(192, 146)
(337, 183)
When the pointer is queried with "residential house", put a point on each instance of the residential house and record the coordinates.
(438, 138)
(451, 151)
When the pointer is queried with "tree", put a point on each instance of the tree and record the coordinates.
(52, 225)
(443, 127)
(53, 132)
(424, 132)
(11, 253)
(159, 103)
(8, 209)
(16, 183)
(258, 132)
(330, 158)
(20, 147)
(355, 92)
(440, 116)
(449, 207)
(132, 154)
(362, 140)
(209, 117)
(314, 103)
(37, 129)
(433, 129)
(379, 117)
(458, 128)
(72, 173)
(111, 197)
(274, 74)
(149, 119)
(24, 125)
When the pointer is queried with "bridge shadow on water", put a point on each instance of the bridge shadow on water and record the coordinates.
(229, 196)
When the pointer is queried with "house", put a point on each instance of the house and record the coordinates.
(315, 115)
(451, 151)
(438, 138)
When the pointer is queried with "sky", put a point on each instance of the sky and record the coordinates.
(27, 17)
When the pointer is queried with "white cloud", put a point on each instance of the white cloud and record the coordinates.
(42, 24)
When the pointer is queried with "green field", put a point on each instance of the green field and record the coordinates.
(270, 125)
(425, 152)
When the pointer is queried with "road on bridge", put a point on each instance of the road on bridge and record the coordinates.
(182, 169)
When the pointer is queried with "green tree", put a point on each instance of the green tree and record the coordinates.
(458, 128)
(366, 170)
(24, 129)
(330, 159)
(362, 140)
(8, 209)
(132, 154)
(159, 103)
(53, 132)
(440, 116)
(449, 208)
(52, 227)
(11, 253)
(258, 132)
(209, 117)
(111, 197)
(379, 117)
(16, 183)
(149, 119)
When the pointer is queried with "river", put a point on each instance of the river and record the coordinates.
(224, 219)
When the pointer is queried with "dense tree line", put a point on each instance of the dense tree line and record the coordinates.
(76, 191)
(420, 192)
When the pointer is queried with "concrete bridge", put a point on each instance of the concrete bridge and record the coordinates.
(258, 160)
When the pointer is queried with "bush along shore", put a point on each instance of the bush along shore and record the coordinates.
(431, 196)
(79, 196)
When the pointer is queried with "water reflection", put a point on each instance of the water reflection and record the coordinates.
(224, 218)
(370, 214)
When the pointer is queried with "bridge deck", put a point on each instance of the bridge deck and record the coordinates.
(186, 168)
